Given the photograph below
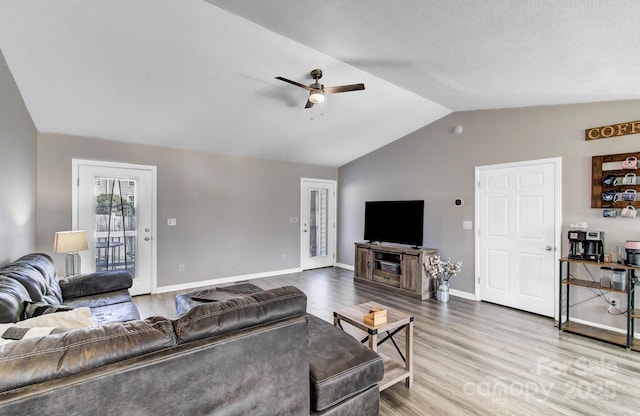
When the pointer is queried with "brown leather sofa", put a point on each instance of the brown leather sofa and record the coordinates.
(32, 279)
(258, 354)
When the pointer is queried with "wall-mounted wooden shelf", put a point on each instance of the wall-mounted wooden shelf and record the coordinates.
(598, 172)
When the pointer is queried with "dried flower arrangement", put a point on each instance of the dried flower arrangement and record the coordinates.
(440, 269)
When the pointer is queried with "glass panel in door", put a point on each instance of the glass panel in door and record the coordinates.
(318, 222)
(115, 223)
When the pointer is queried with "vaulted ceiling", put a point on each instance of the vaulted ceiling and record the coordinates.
(201, 74)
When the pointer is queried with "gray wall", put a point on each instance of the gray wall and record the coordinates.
(232, 213)
(436, 165)
(17, 171)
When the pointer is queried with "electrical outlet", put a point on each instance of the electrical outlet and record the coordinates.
(181, 268)
(614, 302)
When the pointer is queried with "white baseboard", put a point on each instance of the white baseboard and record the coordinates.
(597, 325)
(222, 280)
(461, 294)
(345, 266)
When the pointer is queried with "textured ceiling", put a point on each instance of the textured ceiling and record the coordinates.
(200, 75)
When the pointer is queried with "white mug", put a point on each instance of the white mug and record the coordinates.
(629, 211)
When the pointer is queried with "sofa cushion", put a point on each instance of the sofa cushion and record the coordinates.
(217, 318)
(339, 366)
(117, 312)
(108, 307)
(81, 349)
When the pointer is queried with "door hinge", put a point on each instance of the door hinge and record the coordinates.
(78, 182)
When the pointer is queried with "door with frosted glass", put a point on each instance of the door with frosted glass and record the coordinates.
(115, 207)
(318, 223)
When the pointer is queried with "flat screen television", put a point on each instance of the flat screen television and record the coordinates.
(398, 222)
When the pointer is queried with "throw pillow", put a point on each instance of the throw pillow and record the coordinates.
(75, 318)
(44, 325)
(12, 333)
(33, 309)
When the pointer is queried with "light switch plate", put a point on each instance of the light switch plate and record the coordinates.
(171, 222)
(467, 225)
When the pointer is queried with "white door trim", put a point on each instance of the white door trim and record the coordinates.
(557, 163)
(75, 163)
(333, 214)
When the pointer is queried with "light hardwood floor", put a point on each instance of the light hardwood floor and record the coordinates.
(476, 358)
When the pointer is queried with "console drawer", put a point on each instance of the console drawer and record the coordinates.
(386, 278)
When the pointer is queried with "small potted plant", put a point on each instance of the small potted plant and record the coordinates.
(442, 271)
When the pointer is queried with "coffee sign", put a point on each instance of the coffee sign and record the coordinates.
(614, 130)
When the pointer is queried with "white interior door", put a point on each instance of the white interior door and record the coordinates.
(317, 223)
(115, 203)
(518, 217)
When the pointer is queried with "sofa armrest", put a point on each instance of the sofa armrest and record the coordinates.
(95, 283)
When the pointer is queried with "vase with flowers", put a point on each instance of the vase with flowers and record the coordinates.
(442, 270)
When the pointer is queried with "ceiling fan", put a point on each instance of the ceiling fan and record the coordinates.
(317, 91)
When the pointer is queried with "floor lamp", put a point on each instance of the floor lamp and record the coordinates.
(71, 242)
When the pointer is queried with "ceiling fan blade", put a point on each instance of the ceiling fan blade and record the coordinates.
(309, 104)
(297, 84)
(343, 88)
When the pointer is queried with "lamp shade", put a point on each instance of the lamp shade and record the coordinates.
(70, 241)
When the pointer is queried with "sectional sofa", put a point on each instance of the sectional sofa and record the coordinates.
(257, 354)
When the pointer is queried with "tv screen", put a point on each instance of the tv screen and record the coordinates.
(398, 222)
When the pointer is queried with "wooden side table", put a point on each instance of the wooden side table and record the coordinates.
(394, 370)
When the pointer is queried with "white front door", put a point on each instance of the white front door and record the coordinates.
(115, 203)
(317, 223)
(518, 216)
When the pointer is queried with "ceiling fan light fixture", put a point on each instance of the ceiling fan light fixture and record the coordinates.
(316, 97)
(317, 91)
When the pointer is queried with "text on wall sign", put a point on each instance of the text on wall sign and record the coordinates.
(613, 130)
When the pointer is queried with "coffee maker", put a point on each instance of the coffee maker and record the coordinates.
(633, 252)
(586, 245)
(595, 246)
(577, 245)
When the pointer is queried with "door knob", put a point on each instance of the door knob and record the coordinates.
(147, 238)
(147, 229)
(548, 248)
